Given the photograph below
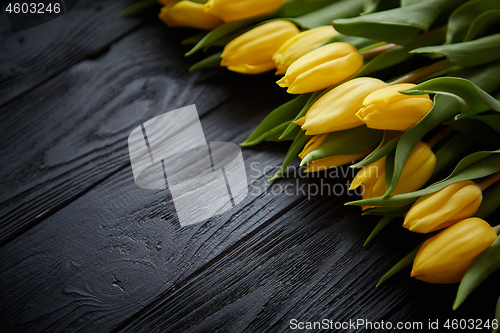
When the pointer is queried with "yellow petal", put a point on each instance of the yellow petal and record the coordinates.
(444, 208)
(399, 115)
(446, 257)
(336, 110)
(322, 68)
(188, 14)
(312, 144)
(299, 45)
(231, 10)
(252, 69)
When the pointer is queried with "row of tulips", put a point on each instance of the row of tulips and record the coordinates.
(341, 115)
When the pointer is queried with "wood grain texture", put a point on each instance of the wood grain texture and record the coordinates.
(32, 56)
(72, 130)
(85, 249)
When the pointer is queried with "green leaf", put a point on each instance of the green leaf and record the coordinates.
(487, 76)
(357, 42)
(399, 25)
(382, 150)
(473, 166)
(481, 268)
(294, 8)
(384, 222)
(471, 53)
(279, 137)
(372, 6)
(138, 7)
(461, 19)
(497, 317)
(311, 98)
(209, 62)
(481, 23)
(222, 31)
(297, 145)
(473, 99)
(279, 116)
(452, 152)
(193, 40)
(476, 130)
(491, 201)
(347, 142)
(492, 120)
(325, 15)
(400, 53)
(273, 133)
(444, 108)
(406, 261)
(388, 211)
(389, 168)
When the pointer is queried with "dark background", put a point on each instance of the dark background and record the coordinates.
(84, 249)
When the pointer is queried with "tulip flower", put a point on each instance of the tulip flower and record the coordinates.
(233, 10)
(417, 170)
(321, 68)
(327, 162)
(446, 257)
(252, 52)
(299, 45)
(188, 14)
(388, 109)
(441, 209)
(336, 110)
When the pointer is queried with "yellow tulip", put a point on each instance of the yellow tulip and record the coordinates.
(417, 170)
(299, 45)
(327, 162)
(233, 10)
(388, 109)
(188, 14)
(336, 110)
(252, 52)
(446, 257)
(441, 209)
(312, 144)
(321, 68)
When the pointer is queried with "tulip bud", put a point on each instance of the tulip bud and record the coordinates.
(336, 110)
(312, 144)
(441, 209)
(446, 257)
(299, 45)
(416, 172)
(252, 52)
(388, 109)
(321, 68)
(188, 14)
(233, 10)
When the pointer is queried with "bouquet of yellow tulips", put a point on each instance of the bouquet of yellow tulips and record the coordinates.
(402, 90)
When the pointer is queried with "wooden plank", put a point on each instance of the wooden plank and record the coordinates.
(102, 258)
(308, 265)
(32, 56)
(72, 130)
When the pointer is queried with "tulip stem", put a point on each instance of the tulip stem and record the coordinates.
(376, 51)
(423, 72)
(440, 136)
(489, 181)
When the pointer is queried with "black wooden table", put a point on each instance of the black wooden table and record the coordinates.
(84, 248)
